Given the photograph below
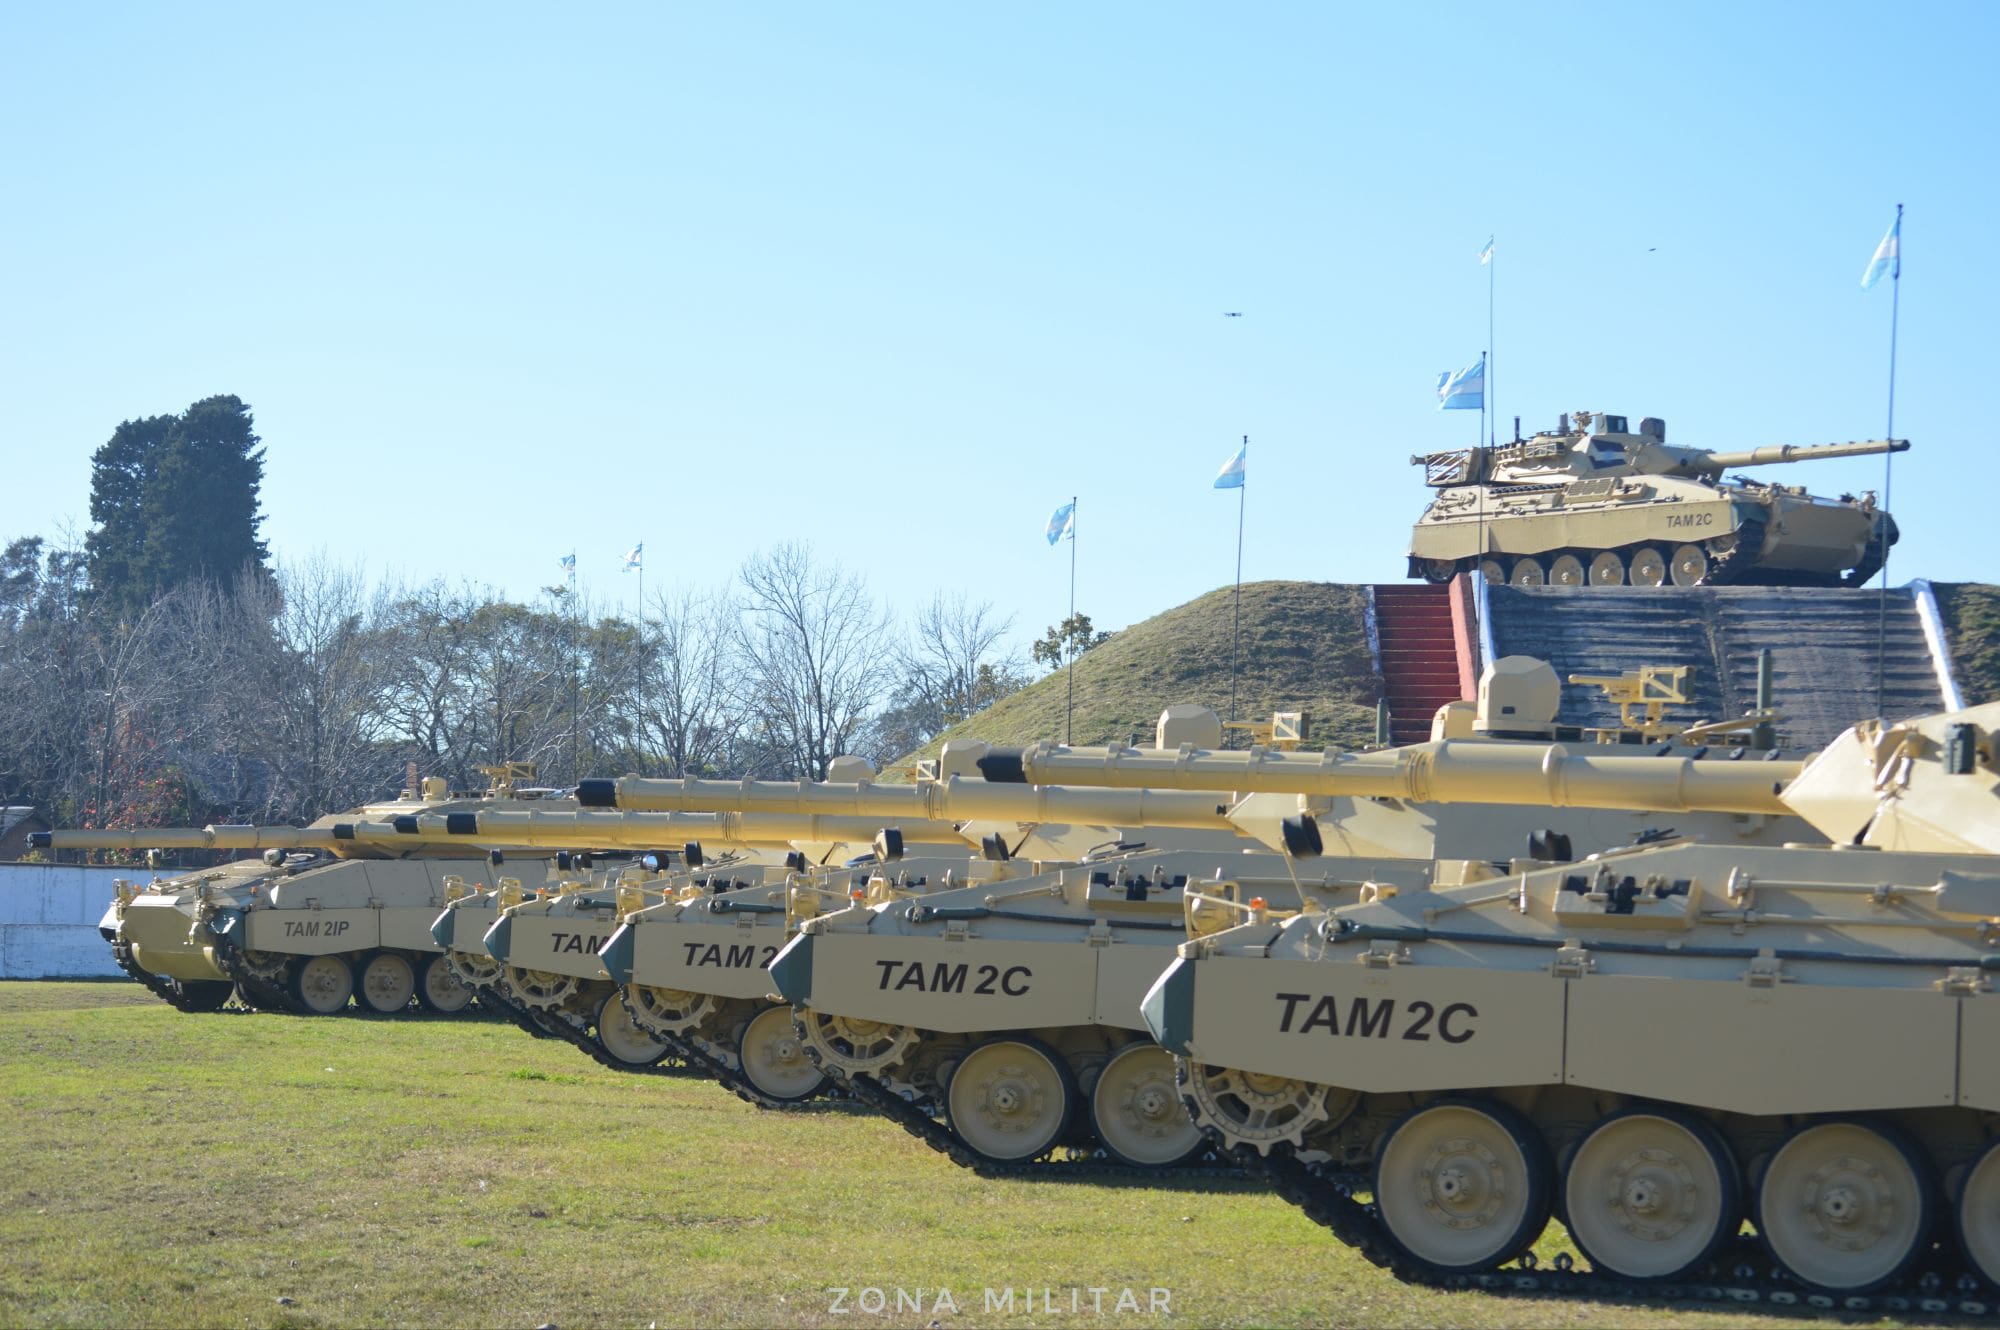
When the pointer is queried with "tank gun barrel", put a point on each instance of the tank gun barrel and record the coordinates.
(952, 799)
(631, 830)
(226, 837)
(1791, 452)
(1452, 771)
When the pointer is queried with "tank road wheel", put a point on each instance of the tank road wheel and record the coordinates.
(439, 989)
(1567, 570)
(1690, 565)
(1011, 1099)
(1651, 1194)
(474, 972)
(321, 985)
(1137, 1112)
(1527, 571)
(1607, 568)
(1979, 1216)
(1493, 571)
(1846, 1206)
(202, 994)
(385, 983)
(1463, 1185)
(623, 1039)
(1648, 567)
(1244, 1108)
(774, 1058)
(666, 1010)
(843, 1046)
(1439, 571)
(540, 989)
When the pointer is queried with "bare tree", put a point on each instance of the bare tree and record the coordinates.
(949, 664)
(814, 644)
(427, 701)
(691, 676)
(322, 684)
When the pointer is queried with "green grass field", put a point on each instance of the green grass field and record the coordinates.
(174, 1170)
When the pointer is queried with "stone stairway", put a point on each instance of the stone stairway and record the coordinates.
(1823, 645)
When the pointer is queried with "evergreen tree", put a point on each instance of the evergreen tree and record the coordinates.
(175, 498)
(118, 475)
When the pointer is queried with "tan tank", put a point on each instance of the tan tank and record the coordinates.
(1656, 1043)
(334, 911)
(1596, 503)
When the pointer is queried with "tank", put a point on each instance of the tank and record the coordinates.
(336, 911)
(1596, 503)
(1657, 1044)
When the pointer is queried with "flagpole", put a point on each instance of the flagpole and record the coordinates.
(1882, 591)
(1236, 633)
(1488, 397)
(1069, 670)
(1483, 390)
(574, 682)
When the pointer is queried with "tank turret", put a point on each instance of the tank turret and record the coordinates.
(1596, 502)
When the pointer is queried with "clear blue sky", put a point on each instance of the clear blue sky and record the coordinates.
(897, 279)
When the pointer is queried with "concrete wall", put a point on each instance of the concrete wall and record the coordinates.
(48, 920)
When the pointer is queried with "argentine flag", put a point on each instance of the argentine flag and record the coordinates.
(1231, 475)
(1888, 255)
(1486, 255)
(1465, 390)
(568, 561)
(635, 558)
(1062, 522)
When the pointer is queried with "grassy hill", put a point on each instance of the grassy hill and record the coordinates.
(1971, 614)
(1304, 647)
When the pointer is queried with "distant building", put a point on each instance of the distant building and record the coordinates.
(17, 822)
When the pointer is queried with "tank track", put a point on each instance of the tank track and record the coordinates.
(703, 1063)
(1742, 1276)
(574, 1030)
(1058, 1163)
(1873, 556)
(158, 985)
(1741, 557)
(254, 993)
(261, 995)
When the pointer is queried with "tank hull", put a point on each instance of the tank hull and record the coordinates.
(1796, 537)
(1719, 1014)
(249, 923)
